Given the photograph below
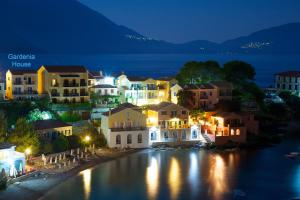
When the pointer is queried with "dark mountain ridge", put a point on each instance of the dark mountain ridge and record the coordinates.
(69, 27)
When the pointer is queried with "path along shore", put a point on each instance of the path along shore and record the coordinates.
(36, 186)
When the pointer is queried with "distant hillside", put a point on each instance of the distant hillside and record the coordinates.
(67, 26)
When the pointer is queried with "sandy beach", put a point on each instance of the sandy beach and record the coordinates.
(36, 186)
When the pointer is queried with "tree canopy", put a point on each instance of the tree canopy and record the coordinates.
(24, 136)
(199, 72)
(238, 71)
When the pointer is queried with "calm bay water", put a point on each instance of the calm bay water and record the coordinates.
(156, 65)
(189, 174)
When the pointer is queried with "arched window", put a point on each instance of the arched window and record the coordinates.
(166, 135)
(153, 135)
(183, 135)
(118, 139)
(194, 134)
(129, 139)
(238, 132)
(140, 138)
(231, 132)
(175, 134)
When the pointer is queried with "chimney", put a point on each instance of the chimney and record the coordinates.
(101, 73)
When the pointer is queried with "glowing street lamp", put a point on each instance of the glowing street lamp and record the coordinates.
(27, 152)
(87, 138)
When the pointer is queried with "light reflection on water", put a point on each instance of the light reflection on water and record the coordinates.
(174, 178)
(217, 176)
(152, 178)
(86, 176)
(187, 174)
(194, 173)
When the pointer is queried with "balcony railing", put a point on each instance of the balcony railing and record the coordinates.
(29, 82)
(83, 84)
(71, 85)
(83, 94)
(55, 85)
(175, 127)
(25, 93)
(55, 94)
(71, 94)
(127, 129)
(18, 83)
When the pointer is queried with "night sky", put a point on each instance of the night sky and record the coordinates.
(185, 20)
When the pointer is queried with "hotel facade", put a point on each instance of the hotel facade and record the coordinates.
(64, 84)
(21, 84)
(143, 91)
(168, 122)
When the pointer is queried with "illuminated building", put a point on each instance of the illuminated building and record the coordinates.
(204, 96)
(125, 126)
(21, 84)
(288, 81)
(224, 127)
(51, 129)
(142, 91)
(168, 122)
(64, 84)
(11, 161)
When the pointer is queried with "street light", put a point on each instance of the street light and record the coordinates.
(87, 138)
(27, 153)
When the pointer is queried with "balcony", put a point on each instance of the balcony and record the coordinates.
(20, 93)
(71, 94)
(29, 83)
(18, 83)
(55, 85)
(55, 94)
(84, 94)
(184, 126)
(71, 85)
(83, 84)
(127, 129)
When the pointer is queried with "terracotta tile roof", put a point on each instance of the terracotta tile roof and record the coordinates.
(289, 73)
(22, 71)
(120, 108)
(49, 124)
(65, 69)
(163, 105)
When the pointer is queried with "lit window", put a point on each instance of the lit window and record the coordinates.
(231, 132)
(238, 132)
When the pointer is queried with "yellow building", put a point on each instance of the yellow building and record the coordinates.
(168, 122)
(64, 84)
(142, 91)
(51, 129)
(125, 126)
(21, 84)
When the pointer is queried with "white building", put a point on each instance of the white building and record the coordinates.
(105, 89)
(11, 161)
(288, 81)
(125, 127)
